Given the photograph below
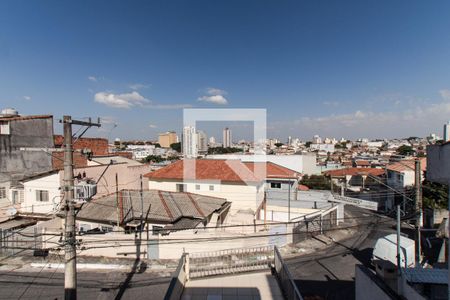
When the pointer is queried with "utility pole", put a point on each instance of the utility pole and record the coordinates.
(418, 187)
(289, 201)
(70, 270)
(399, 262)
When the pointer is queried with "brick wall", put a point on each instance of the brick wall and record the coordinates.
(99, 146)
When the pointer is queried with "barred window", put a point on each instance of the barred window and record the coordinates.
(41, 195)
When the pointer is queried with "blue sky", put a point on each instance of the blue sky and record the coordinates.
(334, 68)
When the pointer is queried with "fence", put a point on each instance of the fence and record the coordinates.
(23, 241)
(314, 225)
(285, 279)
(229, 261)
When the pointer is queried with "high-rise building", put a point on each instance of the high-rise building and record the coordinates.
(167, 138)
(226, 137)
(212, 141)
(289, 141)
(202, 142)
(447, 132)
(190, 145)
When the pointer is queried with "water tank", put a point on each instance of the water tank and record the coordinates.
(9, 112)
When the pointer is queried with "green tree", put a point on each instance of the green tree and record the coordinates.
(278, 145)
(154, 158)
(316, 182)
(176, 147)
(405, 150)
(434, 195)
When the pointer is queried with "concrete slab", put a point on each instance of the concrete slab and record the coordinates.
(252, 286)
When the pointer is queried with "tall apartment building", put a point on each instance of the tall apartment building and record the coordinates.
(226, 137)
(167, 138)
(202, 141)
(190, 142)
(447, 131)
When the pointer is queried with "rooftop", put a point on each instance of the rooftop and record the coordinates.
(165, 207)
(206, 169)
(19, 118)
(407, 165)
(355, 171)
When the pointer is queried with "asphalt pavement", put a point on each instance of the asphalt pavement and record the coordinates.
(49, 284)
(329, 273)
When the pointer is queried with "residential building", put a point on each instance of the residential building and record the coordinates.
(25, 142)
(447, 132)
(167, 138)
(227, 141)
(438, 162)
(280, 183)
(229, 179)
(301, 163)
(327, 148)
(202, 142)
(43, 192)
(190, 142)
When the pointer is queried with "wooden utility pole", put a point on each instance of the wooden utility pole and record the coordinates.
(70, 270)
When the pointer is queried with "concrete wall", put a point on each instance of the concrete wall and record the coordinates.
(438, 163)
(15, 164)
(241, 196)
(287, 188)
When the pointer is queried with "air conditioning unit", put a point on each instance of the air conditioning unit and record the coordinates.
(84, 191)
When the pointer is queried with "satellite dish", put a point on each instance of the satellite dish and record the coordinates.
(11, 211)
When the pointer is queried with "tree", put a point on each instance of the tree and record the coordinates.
(405, 150)
(278, 145)
(176, 147)
(307, 144)
(434, 195)
(157, 145)
(154, 158)
(222, 150)
(316, 182)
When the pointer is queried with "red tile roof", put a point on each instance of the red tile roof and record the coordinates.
(302, 187)
(355, 171)
(274, 170)
(407, 165)
(205, 169)
(361, 162)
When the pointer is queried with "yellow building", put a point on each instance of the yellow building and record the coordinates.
(167, 138)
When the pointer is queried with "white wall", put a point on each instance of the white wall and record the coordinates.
(49, 183)
(241, 196)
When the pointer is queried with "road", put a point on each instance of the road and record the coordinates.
(49, 284)
(329, 273)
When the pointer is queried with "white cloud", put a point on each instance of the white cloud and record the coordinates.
(414, 119)
(445, 94)
(27, 98)
(152, 126)
(214, 95)
(93, 78)
(126, 100)
(138, 86)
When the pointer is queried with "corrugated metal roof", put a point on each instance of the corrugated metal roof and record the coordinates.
(166, 207)
(419, 275)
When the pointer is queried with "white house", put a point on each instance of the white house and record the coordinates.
(43, 192)
(229, 179)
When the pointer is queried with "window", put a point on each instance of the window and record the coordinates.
(41, 196)
(197, 187)
(4, 128)
(181, 187)
(156, 229)
(275, 185)
(2, 192)
(211, 188)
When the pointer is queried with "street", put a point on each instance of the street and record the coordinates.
(48, 284)
(329, 273)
